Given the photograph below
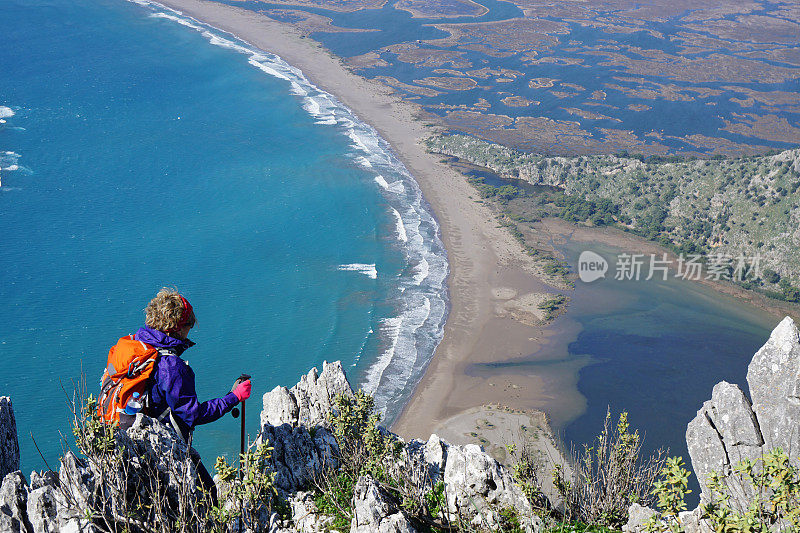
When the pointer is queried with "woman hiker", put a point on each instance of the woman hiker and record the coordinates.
(149, 362)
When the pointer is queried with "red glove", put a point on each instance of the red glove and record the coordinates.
(242, 390)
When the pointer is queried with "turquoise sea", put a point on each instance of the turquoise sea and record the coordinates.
(146, 149)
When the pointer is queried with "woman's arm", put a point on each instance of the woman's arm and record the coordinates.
(181, 395)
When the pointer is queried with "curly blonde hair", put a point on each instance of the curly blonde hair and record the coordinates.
(165, 310)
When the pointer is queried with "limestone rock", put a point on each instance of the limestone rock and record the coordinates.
(42, 510)
(280, 407)
(315, 393)
(374, 511)
(295, 458)
(309, 401)
(77, 480)
(774, 379)
(43, 478)
(729, 428)
(152, 449)
(9, 445)
(14, 503)
(691, 522)
(638, 516)
(306, 516)
(474, 479)
(724, 432)
(431, 455)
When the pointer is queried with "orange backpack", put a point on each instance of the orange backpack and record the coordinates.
(130, 365)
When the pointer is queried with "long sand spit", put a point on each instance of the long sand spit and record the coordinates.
(487, 267)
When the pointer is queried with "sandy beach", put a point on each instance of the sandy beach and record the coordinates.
(492, 285)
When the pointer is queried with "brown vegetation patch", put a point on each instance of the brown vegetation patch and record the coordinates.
(518, 101)
(767, 127)
(365, 61)
(441, 8)
(720, 145)
(541, 83)
(427, 57)
(344, 6)
(583, 113)
(487, 72)
(308, 23)
(447, 83)
(413, 89)
(516, 35)
(751, 28)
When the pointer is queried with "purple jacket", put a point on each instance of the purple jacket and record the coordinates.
(173, 384)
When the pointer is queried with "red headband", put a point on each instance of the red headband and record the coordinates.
(186, 315)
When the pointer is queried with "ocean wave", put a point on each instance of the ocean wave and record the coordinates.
(399, 227)
(380, 180)
(367, 269)
(9, 161)
(6, 112)
(412, 334)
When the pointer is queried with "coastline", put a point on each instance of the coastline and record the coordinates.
(490, 277)
(487, 267)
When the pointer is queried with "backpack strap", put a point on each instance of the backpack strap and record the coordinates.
(166, 416)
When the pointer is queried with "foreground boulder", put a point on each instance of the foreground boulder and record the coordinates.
(729, 428)
(309, 402)
(14, 503)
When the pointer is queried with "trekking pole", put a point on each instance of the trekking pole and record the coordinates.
(235, 414)
(241, 458)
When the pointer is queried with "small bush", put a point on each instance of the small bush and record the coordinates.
(608, 477)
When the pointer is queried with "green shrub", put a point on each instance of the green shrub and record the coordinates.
(608, 477)
(774, 484)
(670, 490)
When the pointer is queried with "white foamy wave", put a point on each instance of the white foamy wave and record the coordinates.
(401, 229)
(9, 161)
(180, 20)
(390, 328)
(6, 112)
(364, 268)
(389, 375)
(380, 180)
(422, 270)
(363, 161)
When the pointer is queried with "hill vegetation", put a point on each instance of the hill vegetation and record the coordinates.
(723, 211)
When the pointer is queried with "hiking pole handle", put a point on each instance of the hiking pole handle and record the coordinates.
(240, 379)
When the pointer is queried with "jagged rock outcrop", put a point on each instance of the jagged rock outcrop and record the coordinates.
(308, 402)
(476, 484)
(9, 445)
(774, 380)
(294, 421)
(729, 428)
(14, 504)
(375, 512)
